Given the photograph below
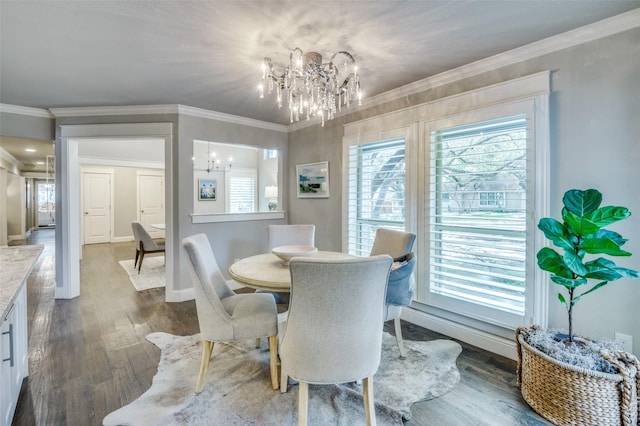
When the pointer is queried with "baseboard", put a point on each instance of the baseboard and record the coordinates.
(496, 344)
(179, 295)
(121, 239)
(15, 237)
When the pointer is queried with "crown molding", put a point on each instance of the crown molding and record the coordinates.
(166, 109)
(601, 29)
(235, 119)
(114, 110)
(22, 110)
(10, 159)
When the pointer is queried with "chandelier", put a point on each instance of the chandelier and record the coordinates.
(312, 88)
(213, 163)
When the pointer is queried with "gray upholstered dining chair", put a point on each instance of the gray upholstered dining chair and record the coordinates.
(396, 244)
(224, 315)
(333, 333)
(144, 243)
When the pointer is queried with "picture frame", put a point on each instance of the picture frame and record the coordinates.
(313, 180)
(207, 190)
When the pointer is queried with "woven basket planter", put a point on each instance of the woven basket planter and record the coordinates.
(568, 395)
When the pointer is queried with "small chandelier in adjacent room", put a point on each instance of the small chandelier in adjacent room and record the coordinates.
(213, 163)
(312, 88)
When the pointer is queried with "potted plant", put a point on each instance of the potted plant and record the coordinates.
(559, 388)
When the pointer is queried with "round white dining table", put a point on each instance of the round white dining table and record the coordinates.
(268, 272)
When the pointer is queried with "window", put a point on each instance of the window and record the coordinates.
(476, 177)
(241, 187)
(479, 218)
(376, 194)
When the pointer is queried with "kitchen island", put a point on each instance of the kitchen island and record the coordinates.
(16, 264)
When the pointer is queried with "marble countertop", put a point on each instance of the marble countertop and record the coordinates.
(15, 265)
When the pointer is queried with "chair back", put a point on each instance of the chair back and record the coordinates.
(334, 329)
(392, 242)
(209, 286)
(141, 235)
(290, 235)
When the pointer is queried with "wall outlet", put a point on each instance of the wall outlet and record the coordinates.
(625, 341)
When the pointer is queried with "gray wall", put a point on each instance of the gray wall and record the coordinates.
(594, 111)
(230, 240)
(26, 126)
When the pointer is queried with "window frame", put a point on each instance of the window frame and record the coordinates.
(485, 314)
(407, 133)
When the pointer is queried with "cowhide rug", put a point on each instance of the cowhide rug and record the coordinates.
(238, 389)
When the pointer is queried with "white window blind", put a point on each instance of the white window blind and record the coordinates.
(376, 192)
(242, 193)
(478, 213)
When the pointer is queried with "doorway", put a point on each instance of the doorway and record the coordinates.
(68, 215)
(46, 198)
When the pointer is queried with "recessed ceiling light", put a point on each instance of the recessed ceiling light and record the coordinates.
(30, 150)
(39, 162)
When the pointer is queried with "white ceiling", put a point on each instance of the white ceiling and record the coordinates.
(207, 54)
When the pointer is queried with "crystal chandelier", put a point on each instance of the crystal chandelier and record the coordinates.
(312, 88)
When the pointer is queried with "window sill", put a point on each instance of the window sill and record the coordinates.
(234, 217)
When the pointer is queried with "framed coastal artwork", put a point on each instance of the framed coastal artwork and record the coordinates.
(313, 180)
(207, 189)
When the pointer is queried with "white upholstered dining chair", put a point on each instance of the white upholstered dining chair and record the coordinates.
(224, 315)
(291, 235)
(396, 244)
(144, 243)
(333, 333)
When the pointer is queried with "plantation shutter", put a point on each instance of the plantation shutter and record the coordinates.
(478, 213)
(242, 193)
(376, 192)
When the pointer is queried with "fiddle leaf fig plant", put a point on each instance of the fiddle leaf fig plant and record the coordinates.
(580, 234)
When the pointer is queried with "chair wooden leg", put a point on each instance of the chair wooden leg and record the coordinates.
(207, 347)
(303, 403)
(403, 351)
(273, 362)
(258, 342)
(369, 406)
(284, 380)
(135, 263)
(141, 259)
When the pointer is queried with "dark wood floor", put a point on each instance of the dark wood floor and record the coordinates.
(89, 356)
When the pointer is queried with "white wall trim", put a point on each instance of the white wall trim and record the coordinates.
(22, 110)
(234, 217)
(122, 239)
(607, 27)
(6, 156)
(236, 119)
(16, 237)
(496, 344)
(165, 109)
(179, 295)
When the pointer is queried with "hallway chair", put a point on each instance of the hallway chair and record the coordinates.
(144, 244)
(224, 315)
(399, 246)
(334, 330)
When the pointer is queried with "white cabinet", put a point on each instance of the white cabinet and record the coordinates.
(15, 357)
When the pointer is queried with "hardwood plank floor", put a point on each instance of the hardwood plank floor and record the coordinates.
(89, 355)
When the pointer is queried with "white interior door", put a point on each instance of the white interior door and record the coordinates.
(96, 199)
(151, 202)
